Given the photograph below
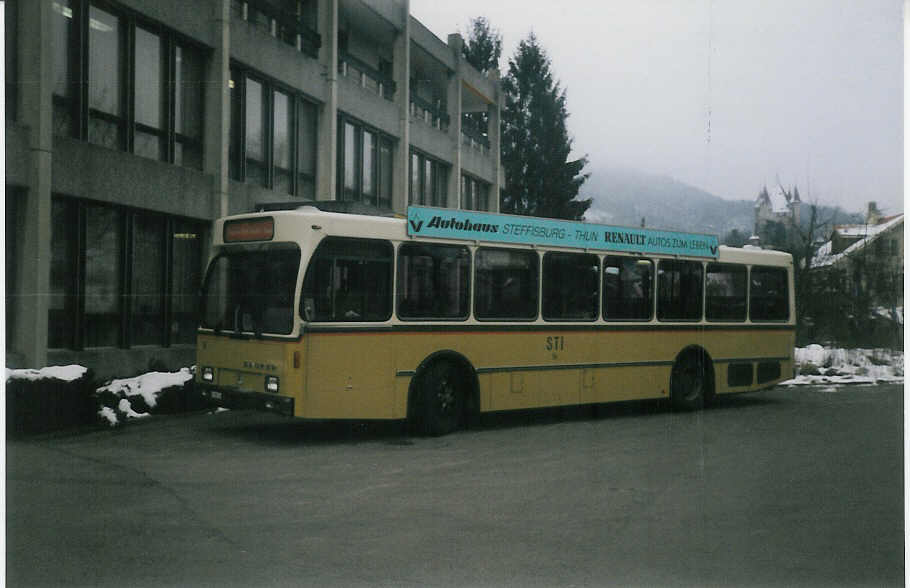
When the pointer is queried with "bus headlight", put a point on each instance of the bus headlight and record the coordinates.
(271, 384)
(208, 374)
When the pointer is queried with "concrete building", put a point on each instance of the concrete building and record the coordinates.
(132, 124)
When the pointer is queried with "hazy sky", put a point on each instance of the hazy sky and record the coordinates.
(726, 95)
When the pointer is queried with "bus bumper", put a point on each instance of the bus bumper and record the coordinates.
(241, 399)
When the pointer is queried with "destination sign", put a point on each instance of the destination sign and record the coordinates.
(484, 226)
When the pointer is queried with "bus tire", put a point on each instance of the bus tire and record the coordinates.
(441, 400)
(691, 380)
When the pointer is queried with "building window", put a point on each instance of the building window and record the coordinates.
(306, 149)
(149, 138)
(255, 134)
(428, 181)
(105, 75)
(103, 268)
(126, 83)
(11, 57)
(65, 52)
(475, 194)
(188, 76)
(13, 207)
(64, 268)
(272, 136)
(364, 164)
(281, 143)
(121, 277)
(147, 280)
(186, 276)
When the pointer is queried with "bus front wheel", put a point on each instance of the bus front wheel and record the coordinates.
(441, 399)
(690, 381)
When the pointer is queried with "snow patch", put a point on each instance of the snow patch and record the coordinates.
(834, 366)
(107, 413)
(148, 386)
(67, 373)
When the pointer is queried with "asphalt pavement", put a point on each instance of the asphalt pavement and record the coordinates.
(788, 487)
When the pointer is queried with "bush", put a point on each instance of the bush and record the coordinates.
(48, 404)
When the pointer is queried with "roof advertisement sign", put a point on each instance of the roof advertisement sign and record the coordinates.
(502, 228)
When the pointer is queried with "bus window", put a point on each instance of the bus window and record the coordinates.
(725, 292)
(570, 286)
(768, 294)
(433, 281)
(348, 280)
(505, 284)
(679, 290)
(628, 284)
(251, 291)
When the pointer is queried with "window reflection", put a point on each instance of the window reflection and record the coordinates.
(104, 79)
(102, 276)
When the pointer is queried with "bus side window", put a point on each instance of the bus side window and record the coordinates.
(627, 292)
(725, 292)
(348, 280)
(433, 281)
(570, 286)
(505, 284)
(768, 294)
(679, 290)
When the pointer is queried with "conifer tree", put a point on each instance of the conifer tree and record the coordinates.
(540, 179)
(483, 47)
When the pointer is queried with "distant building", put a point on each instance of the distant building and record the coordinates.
(776, 213)
(132, 124)
(865, 263)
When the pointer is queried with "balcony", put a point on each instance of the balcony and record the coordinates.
(431, 114)
(366, 77)
(283, 21)
(474, 135)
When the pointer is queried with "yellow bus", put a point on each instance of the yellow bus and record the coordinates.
(441, 316)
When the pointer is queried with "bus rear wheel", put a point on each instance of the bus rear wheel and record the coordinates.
(690, 381)
(441, 399)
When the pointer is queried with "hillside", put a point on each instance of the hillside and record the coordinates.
(624, 197)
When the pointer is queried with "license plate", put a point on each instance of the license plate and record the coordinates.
(216, 395)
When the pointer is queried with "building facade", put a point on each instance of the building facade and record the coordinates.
(776, 213)
(858, 283)
(132, 124)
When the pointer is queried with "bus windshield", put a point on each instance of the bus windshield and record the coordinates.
(251, 291)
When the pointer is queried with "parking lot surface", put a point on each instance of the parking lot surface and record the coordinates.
(792, 486)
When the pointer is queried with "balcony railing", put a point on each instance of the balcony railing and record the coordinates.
(472, 136)
(366, 76)
(431, 114)
(282, 23)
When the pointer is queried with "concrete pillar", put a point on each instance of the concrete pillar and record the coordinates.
(401, 65)
(34, 234)
(327, 153)
(218, 110)
(493, 131)
(453, 90)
